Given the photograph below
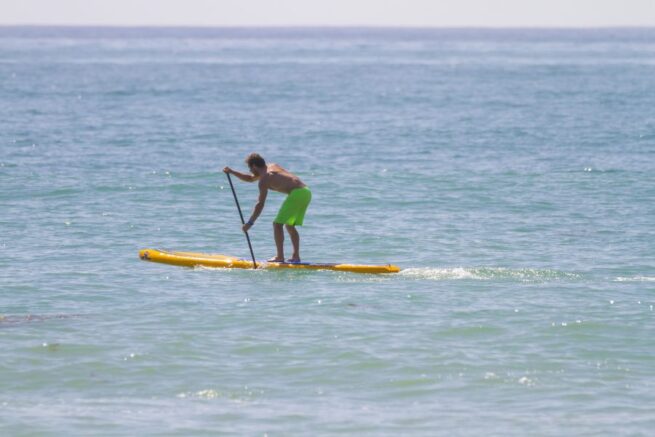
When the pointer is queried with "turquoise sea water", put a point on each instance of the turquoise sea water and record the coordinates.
(510, 173)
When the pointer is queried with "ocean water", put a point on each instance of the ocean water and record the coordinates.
(509, 173)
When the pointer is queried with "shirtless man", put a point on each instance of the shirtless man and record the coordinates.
(292, 212)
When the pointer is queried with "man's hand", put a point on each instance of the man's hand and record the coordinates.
(246, 227)
(228, 170)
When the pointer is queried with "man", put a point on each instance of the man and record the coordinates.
(292, 212)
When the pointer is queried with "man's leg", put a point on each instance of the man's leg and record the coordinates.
(295, 241)
(278, 232)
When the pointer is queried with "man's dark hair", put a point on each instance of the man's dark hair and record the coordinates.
(254, 160)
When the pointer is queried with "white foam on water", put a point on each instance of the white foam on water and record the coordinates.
(635, 279)
(201, 394)
(487, 273)
(438, 274)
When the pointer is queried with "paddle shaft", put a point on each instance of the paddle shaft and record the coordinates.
(234, 193)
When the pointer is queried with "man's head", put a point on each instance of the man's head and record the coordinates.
(256, 164)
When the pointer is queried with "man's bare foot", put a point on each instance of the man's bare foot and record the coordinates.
(275, 259)
(293, 260)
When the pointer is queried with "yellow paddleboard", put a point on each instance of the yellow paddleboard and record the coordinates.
(192, 259)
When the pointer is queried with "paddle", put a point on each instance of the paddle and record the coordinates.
(254, 264)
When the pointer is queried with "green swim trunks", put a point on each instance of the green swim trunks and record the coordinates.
(292, 211)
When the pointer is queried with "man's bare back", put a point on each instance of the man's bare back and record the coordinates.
(278, 179)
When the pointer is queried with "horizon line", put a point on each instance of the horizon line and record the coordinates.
(328, 26)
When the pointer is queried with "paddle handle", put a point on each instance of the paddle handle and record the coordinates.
(236, 200)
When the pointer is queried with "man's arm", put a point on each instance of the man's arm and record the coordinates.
(259, 206)
(243, 176)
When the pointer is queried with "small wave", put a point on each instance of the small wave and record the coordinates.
(488, 273)
(238, 396)
(635, 279)
(10, 320)
(202, 394)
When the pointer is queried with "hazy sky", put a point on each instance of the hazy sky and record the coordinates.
(583, 13)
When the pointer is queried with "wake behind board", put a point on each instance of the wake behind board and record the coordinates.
(193, 259)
